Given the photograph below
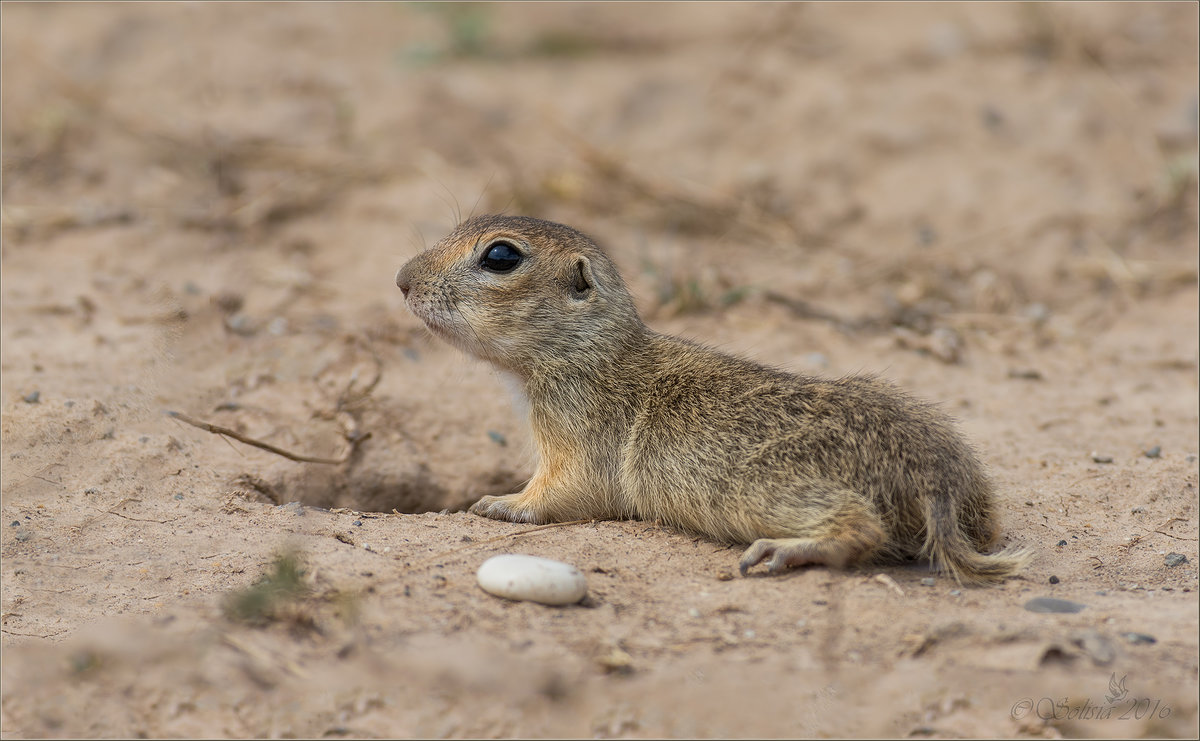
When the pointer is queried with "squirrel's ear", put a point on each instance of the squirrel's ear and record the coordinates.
(582, 279)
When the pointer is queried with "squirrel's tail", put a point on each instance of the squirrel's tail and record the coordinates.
(947, 547)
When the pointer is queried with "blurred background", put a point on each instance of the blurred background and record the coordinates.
(1020, 155)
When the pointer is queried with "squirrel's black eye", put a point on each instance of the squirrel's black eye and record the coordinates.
(501, 257)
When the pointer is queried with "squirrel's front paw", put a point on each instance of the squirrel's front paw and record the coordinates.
(507, 508)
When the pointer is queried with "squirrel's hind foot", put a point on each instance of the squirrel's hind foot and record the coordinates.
(836, 552)
(786, 552)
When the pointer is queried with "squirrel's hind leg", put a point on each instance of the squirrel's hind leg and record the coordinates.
(835, 536)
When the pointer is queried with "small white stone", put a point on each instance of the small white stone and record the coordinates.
(518, 577)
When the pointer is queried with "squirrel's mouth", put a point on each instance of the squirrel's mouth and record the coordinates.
(451, 326)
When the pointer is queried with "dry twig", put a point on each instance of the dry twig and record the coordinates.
(219, 430)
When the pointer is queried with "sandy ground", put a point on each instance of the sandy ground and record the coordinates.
(204, 206)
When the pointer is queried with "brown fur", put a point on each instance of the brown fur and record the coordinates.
(629, 423)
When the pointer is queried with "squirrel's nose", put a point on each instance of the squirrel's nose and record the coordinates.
(402, 282)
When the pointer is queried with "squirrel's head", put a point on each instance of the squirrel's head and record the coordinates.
(521, 293)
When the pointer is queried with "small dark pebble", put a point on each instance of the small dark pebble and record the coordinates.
(992, 117)
(15, 523)
(1061, 543)
(1137, 510)
(1028, 374)
(228, 301)
(143, 439)
(1054, 580)
(1174, 559)
(926, 235)
(32, 397)
(467, 539)
(497, 438)
(1052, 604)
(1191, 459)
(358, 523)
(820, 602)
(1138, 639)
(179, 496)
(1154, 452)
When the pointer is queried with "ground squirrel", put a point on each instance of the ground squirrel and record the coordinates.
(629, 423)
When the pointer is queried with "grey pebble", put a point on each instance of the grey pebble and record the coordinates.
(24, 535)
(1054, 580)
(1095, 645)
(1061, 543)
(69, 403)
(1037, 312)
(241, 324)
(497, 438)
(928, 581)
(32, 397)
(1139, 639)
(16, 523)
(1154, 452)
(179, 496)
(1137, 510)
(1053, 604)
(1096, 457)
(1174, 559)
(294, 508)
(955, 592)
(358, 523)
